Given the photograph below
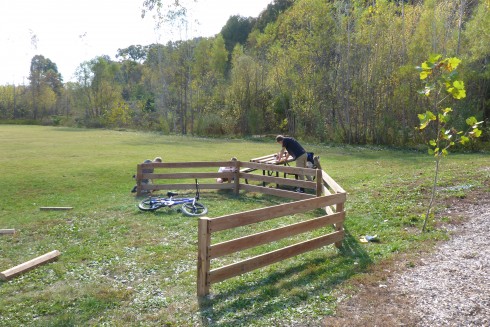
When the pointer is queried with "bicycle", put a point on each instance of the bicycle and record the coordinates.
(190, 206)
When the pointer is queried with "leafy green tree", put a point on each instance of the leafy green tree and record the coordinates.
(476, 49)
(44, 71)
(244, 92)
(219, 58)
(46, 84)
(118, 114)
(207, 74)
(133, 52)
(99, 87)
(7, 101)
(271, 13)
(441, 83)
(236, 30)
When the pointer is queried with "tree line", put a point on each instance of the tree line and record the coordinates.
(327, 71)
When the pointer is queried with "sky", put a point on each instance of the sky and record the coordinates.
(69, 32)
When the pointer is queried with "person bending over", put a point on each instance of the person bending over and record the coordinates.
(296, 150)
(226, 170)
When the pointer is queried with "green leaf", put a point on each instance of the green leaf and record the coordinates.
(471, 121)
(476, 132)
(425, 119)
(430, 115)
(432, 142)
(459, 85)
(444, 152)
(453, 63)
(426, 66)
(447, 110)
(424, 74)
(434, 57)
(443, 118)
(430, 151)
(464, 140)
(456, 89)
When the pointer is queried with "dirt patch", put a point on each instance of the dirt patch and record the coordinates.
(449, 287)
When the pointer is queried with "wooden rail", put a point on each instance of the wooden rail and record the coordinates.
(208, 251)
(322, 193)
(271, 174)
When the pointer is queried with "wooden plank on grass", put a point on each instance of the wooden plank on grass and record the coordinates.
(7, 231)
(56, 208)
(31, 264)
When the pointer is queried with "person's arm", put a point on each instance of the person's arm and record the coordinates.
(281, 153)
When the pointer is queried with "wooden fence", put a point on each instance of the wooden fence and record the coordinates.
(323, 192)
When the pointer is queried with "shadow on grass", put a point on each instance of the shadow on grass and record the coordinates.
(315, 277)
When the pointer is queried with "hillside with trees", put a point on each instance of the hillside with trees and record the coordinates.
(327, 71)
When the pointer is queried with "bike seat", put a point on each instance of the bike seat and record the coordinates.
(170, 194)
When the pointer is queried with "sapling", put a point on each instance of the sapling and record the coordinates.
(441, 84)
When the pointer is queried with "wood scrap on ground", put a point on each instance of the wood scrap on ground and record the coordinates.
(56, 208)
(31, 264)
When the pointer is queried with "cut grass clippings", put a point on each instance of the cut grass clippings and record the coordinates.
(120, 266)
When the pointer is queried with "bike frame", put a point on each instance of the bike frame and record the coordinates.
(170, 200)
(190, 206)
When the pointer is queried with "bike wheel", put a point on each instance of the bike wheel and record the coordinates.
(196, 209)
(149, 205)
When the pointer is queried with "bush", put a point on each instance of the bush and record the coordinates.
(210, 125)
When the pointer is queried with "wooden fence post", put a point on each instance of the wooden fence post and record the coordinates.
(319, 182)
(237, 178)
(340, 225)
(203, 261)
(139, 172)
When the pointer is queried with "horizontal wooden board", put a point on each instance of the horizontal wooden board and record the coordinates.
(333, 184)
(225, 272)
(249, 241)
(196, 164)
(278, 180)
(190, 187)
(182, 175)
(258, 215)
(276, 192)
(279, 168)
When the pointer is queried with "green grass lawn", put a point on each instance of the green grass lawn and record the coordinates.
(123, 267)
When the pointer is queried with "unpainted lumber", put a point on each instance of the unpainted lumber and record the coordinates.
(56, 208)
(7, 231)
(28, 265)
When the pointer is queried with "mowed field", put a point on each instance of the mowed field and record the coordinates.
(123, 267)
